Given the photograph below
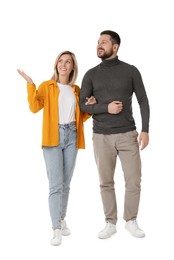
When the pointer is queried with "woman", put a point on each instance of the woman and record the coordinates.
(62, 133)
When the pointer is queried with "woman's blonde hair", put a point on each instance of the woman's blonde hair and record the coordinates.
(74, 72)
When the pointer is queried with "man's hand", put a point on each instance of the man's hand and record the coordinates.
(143, 140)
(115, 107)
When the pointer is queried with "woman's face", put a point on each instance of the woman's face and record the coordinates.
(65, 65)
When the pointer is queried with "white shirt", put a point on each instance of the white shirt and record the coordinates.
(67, 104)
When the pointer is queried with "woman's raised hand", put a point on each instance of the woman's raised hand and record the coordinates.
(25, 76)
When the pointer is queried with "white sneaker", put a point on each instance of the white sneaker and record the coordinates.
(134, 229)
(57, 238)
(65, 229)
(108, 231)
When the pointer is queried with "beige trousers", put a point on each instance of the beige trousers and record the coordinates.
(106, 150)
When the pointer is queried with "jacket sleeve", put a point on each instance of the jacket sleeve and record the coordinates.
(35, 97)
(85, 116)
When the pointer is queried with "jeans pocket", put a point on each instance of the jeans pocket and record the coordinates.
(73, 127)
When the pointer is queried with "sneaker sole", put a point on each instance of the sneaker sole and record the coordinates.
(100, 237)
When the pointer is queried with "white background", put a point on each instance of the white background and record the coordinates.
(32, 34)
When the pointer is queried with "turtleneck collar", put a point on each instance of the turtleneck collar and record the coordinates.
(111, 62)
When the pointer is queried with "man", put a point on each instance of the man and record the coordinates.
(113, 83)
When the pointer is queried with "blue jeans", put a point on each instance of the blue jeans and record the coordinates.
(60, 162)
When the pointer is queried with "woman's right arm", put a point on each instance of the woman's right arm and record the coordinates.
(35, 97)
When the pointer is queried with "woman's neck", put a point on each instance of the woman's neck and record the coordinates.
(64, 80)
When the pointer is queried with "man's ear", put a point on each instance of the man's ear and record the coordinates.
(116, 46)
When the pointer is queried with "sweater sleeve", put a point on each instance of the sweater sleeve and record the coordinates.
(84, 115)
(35, 97)
(87, 91)
(142, 99)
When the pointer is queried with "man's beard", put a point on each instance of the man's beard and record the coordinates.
(105, 55)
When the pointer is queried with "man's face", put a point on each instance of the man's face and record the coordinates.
(105, 47)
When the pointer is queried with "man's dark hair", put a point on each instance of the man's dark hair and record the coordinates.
(115, 38)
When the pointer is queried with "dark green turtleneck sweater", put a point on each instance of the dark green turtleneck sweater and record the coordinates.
(114, 80)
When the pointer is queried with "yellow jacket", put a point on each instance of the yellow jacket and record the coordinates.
(47, 97)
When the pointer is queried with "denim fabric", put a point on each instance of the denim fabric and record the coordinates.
(60, 162)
